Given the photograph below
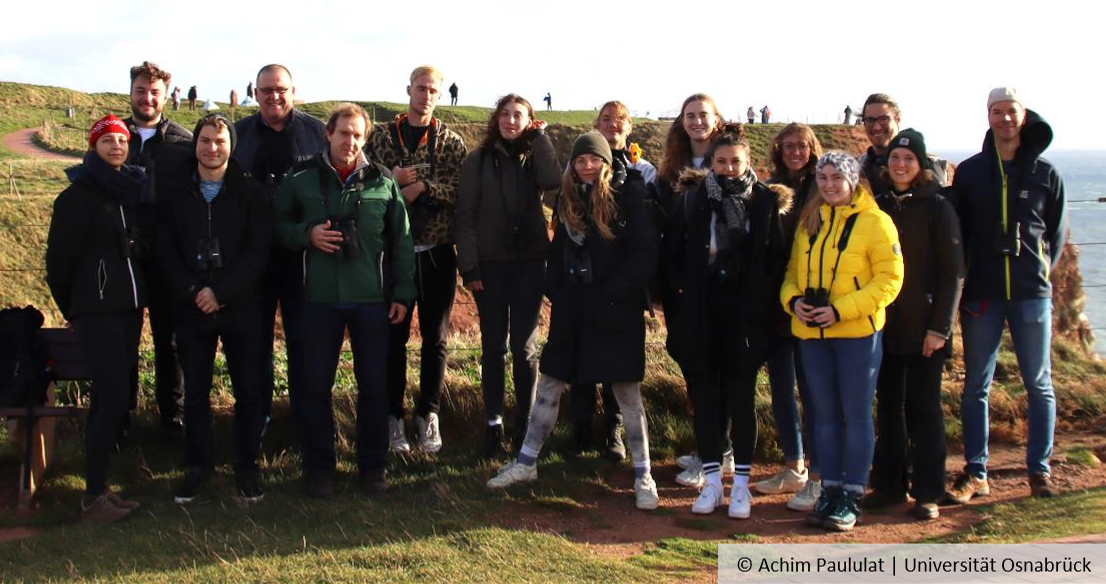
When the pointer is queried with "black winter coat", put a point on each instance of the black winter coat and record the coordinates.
(239, 217)
(597, 329)
(88, 265)
(685, 274)
(1035, 203)
(933, 258)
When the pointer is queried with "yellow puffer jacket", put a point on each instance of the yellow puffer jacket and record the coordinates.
(869, 274)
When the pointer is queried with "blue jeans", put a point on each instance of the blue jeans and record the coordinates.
(785, 367)
(841, 375)
(1031, 330)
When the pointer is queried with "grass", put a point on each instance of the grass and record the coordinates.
(1034, 519)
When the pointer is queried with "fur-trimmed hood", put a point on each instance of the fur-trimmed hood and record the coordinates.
(691, 178)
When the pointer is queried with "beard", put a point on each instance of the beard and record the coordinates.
(138, 115)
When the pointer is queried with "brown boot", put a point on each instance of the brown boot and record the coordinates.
(967, 487)
(101, 509)
(925, 511)
(1040, 485)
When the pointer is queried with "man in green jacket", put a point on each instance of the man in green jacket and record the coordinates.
(346, 217)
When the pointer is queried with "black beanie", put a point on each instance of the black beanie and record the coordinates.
(913, 141)
(230, 130)
(592, 143)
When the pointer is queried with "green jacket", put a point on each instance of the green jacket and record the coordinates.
(385, 270)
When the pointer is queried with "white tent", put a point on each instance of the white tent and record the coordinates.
(210, 105)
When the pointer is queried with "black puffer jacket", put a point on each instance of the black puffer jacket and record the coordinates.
(168, 132)
(597, 329)
(89, 263)
(684, 273)
(933, 255)
(1034, 201)
(239, 218)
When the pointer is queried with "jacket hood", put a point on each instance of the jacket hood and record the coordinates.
(862, 201)
(1036, 136)
(691, 178)
(230, 128)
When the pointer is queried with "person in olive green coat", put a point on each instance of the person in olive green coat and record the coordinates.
(347, 218)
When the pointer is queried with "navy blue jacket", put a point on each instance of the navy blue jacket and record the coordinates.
(308, 139)
(1034, 201)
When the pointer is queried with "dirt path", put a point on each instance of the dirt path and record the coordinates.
(22, 143)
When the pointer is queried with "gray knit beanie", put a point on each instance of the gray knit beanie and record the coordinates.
(844, 163)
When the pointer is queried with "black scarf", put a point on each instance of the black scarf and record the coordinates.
(728, 198)
(125, 185)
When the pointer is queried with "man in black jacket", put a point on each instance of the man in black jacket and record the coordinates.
(216, 230)
(153, 137)
(1012, 212)
(881, 117)
(269, 143)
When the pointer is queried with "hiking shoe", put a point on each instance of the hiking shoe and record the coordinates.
(374, 482)
(688, 460)
(616, 448)
(493, 442)
(397, 439)
(249, 487)
(513, 473)
(845, 514)
(320, 486)
(925, 511)
(430, 436)
(785, 481)
(807, 497)
(741, 502)
(967, 487)
(710, 497)
(692, 477)
(883, 500)
(727, 463)
(825, 505)
(121, 502)
(645, 493)
(189, 488)
(1040, 485)
(101, 509)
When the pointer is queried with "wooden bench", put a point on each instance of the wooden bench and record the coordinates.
(32, 428)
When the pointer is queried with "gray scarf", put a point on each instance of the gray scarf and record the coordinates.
(729, 199)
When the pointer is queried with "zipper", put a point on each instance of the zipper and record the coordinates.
(130, 266)
(102, 277)
(871, 320)
(822, 253)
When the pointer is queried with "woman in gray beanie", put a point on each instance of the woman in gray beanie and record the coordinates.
(602, 256)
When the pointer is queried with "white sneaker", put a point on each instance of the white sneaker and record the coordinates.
(710, 497)
(645, 493)
(727, 463)
(740, 502)
(785, 481)
(512, 474)
(688, 460)
(430, 438)
(397, 440)
(692, 477)
(805, 499)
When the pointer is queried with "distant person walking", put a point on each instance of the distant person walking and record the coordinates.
(848, 115)
(765, 114)
(548, 101)
(176, 98)
(192, 95)
(249, 90)
(752, 115)
(453, 94)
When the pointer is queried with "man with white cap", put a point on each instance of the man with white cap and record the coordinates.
(1012, 211)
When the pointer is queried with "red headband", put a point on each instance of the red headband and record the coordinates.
(107, 125)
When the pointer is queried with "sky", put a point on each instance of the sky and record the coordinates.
(806, 60)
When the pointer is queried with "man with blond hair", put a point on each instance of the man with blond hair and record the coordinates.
(425, 158)
(346, 217)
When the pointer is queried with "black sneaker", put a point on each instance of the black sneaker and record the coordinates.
(616, 449)
(374, 482)
(493, 443)
(189, 488)
(249, 487)
(883, 499)
(320, 486)
(827, 502)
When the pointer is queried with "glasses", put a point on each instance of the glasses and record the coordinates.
(796, 147)
(280, 91)
(881, 120)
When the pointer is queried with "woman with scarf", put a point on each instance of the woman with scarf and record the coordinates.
(725, 253)
(601, 259)
(95, 279)
(502, 241)
(846, 266)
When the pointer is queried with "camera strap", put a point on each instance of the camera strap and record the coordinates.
(430, 138)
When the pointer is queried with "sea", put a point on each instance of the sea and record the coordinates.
(1084, 175)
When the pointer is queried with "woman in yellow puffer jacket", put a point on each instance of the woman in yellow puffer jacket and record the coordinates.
(846, 267)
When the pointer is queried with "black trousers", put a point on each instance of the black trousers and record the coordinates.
(716, 381)
(240, 331)
(283, 286)
(582, 400)
(510, 302)
(110, 346)
(168, 377)
(436, 281)
(910, 427)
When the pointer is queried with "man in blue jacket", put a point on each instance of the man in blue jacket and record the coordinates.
(1012, 212)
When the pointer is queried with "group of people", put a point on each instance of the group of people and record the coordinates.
(842, 276)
